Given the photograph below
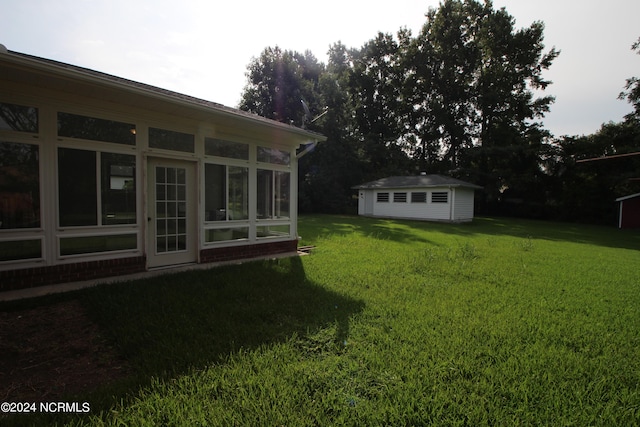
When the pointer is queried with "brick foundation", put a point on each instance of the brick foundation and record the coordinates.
(247, 251)
(64, 273)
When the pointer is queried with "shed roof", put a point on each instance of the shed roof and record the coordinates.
(631, 196)
(417, 181)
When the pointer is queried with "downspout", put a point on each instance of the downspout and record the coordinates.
(308, 148)
(453, 200)
(620, 215)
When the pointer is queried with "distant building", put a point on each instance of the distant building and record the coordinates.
(422, 197)
(103, 176)
(629, 211)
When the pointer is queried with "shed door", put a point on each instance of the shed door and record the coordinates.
(368, 202)
(172, 225)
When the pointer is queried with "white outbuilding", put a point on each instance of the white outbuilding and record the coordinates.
(422, 197)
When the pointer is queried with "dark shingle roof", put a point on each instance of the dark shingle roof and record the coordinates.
(417, 181)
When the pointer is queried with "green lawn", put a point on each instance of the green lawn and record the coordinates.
(499, 322)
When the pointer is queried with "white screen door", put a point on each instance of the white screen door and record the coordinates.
(172, 237)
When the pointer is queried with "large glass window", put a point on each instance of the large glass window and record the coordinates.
(274, 156)
(171, 140)
(79, 192)
(226, 193)
(274, 191)
(20, 249)
(94, 244)
(19, 186)
(83, 127)
(118, 175)
(222, 148)
(272, 231)
(77, 188)
(18, 118)
(225, 234)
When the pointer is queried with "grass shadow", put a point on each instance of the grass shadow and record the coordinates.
(597, 235)
(174, 324)
(407, 231)
(316, 226)
(183, 320)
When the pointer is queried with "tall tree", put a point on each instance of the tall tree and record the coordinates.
(445, 69)
(511, 66)
(277, 81)
(470, 78)
(375, 85)
(459, 97)
(632, 90)
(329, 172)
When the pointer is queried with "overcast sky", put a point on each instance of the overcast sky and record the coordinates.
(202, 47)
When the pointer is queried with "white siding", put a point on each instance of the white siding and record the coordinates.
(463, 209)
(428, 210)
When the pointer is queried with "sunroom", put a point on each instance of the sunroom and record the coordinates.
(102, 176)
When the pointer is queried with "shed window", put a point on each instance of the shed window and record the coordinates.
(440, 197)
(83, 127)
(419, 197)
(400, 197)
(18, 118)
(382, 197)
(229, 149)
(171, 140)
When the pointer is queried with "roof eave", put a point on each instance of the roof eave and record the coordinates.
(96, 77)
(399, 187)
(630, 196)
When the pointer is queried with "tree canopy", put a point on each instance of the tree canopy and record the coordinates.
(464, 96)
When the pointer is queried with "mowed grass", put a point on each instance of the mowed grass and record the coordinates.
(498, 322)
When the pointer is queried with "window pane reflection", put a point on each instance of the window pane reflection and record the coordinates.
(77, 189)
(83, 127)
(19, 185)
(18, 118)
(171, 140)
(118, 188)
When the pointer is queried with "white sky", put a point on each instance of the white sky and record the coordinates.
(202, 47)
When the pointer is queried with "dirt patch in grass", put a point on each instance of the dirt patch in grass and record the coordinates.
(53, 351)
